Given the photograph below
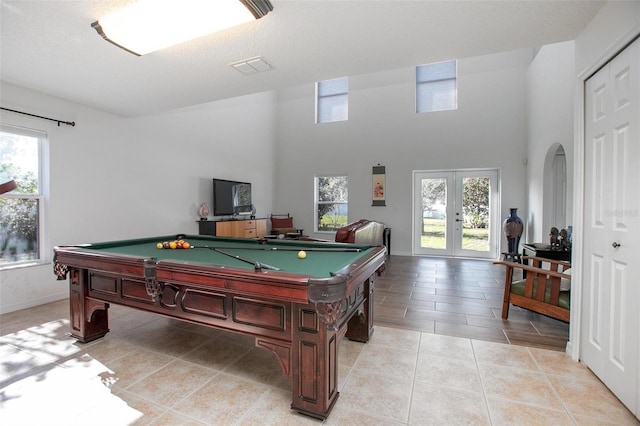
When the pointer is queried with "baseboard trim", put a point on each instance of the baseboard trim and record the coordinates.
(34, 302)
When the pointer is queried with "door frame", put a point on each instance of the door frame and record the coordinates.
(575, 325)
(494, 226)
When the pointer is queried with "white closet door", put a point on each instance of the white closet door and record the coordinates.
(611, 264)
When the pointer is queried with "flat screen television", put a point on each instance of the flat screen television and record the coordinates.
(231, 198)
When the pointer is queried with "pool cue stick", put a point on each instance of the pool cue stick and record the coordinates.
(257, 265)
(319, 249)
(327, 249)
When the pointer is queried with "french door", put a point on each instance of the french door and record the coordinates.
(456, 213)
(610, 270)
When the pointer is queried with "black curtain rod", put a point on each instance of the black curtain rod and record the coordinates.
(68, 123)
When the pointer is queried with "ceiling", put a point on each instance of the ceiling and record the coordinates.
(49, 46)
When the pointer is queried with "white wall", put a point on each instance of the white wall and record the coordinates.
(550, 101)
(616, 22)
(487, 131)
(114, 178)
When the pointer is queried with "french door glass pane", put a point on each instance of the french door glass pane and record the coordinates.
(434, 213)
(475, 210)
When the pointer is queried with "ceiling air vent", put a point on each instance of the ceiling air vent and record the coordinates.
(251, 66)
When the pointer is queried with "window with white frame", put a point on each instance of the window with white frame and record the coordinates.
(332, 198)
(22, 209)
(332, 100)
(436, 87)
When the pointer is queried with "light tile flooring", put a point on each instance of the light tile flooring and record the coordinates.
(151, 370)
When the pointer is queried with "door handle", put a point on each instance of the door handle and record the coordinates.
(459, 220)
(615, 245)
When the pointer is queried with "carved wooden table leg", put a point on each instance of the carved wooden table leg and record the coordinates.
(89, 317)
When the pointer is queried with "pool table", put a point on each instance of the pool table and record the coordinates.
(299, 309)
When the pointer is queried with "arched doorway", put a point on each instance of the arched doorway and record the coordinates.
(555, 189)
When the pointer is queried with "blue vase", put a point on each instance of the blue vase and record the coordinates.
(513, 227)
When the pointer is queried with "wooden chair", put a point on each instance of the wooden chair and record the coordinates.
(283, 224)
(540, 291)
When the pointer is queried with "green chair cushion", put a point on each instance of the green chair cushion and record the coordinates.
(517, 287)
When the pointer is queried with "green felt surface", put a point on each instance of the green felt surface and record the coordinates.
(281, 254)
(564, 300)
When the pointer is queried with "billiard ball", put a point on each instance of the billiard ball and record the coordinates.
(302, 254)
(159, 245)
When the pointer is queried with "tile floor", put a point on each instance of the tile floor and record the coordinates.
(459, 297)
(151, 370)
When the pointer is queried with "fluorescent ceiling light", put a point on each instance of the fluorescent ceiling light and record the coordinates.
(149, 25)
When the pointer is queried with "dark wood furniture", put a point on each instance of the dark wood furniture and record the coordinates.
(387, 240)
(544, 250)
(240, 228)
(300, 313)
(539, 291)
(282, 224)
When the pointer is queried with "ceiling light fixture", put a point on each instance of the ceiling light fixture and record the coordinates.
(149, 25)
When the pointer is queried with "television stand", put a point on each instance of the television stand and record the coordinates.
(235, 227)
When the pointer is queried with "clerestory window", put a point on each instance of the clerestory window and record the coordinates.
(436, 87)
(332, 100)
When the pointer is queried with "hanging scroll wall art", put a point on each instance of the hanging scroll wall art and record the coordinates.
(379, 186)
